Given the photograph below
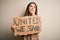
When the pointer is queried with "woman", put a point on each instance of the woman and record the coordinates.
(31, 10)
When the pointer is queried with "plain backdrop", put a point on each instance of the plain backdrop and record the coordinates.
(49, 10)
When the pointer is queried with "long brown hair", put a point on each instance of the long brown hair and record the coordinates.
(27, 13)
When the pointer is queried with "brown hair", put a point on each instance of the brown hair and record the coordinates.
(27, 13)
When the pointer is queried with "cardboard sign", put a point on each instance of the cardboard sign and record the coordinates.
(27, 25)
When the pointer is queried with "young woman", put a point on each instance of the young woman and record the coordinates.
(31, 10)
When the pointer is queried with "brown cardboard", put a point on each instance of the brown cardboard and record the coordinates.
(27, 25)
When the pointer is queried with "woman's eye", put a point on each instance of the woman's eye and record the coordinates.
(30, 5)
(34, 7)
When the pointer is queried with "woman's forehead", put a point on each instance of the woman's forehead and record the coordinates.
(32, 4)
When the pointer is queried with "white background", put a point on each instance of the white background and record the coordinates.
(49, 10)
